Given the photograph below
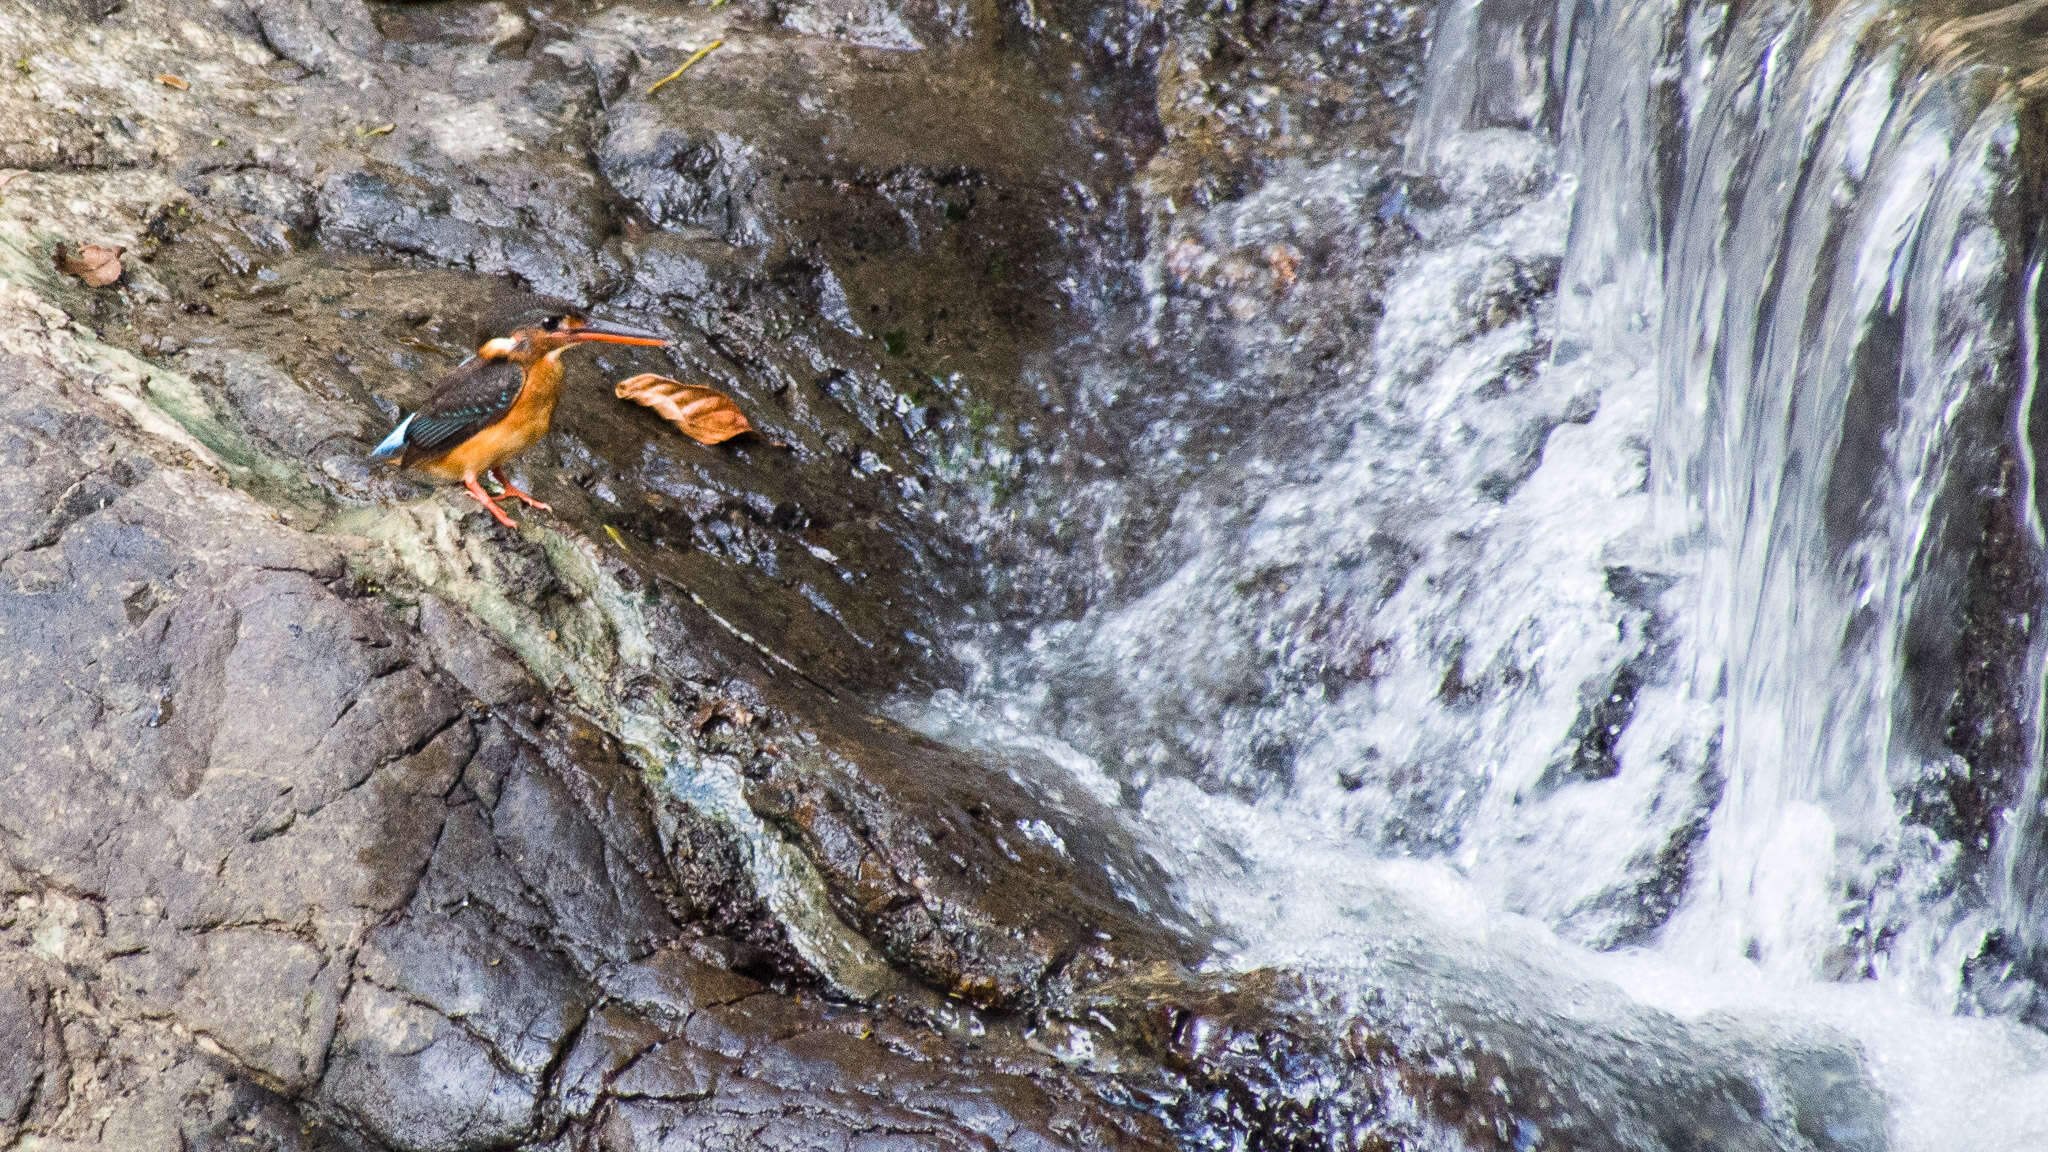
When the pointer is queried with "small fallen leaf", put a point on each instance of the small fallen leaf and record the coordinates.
(1283, 259)
(731, 711)
(97, 264)
(705, 415)
(169, 81)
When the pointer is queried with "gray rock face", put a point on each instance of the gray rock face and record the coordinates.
(314, 839)
(24, 1019)
(263, 862)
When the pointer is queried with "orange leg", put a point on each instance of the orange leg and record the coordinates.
(511, 491)
(477, 494)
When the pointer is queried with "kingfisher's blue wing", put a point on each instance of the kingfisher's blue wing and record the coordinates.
(477, 394)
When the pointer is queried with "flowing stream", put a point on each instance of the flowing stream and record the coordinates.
(1628, 656)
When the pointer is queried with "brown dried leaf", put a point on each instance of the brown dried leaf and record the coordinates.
(1283, 259)
(731, 712)
(169, 80)
(705, 415)
(97, 264)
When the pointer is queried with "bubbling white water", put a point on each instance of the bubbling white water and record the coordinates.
(1580, 681)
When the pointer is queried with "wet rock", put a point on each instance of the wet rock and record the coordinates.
(520, 1001)
(266, 822)
(708, 182)
(572, 825)
(416, 1081)
(396, 923)
(675, 982)
(949, 873)
(276, 208)
(320, 37)
(265, 997)
(24, 1017)
(86, 11)
(1241, 98)
(610, 1042)
(867, 23)
(1271, 1059)
(486, 669)
(493, 24)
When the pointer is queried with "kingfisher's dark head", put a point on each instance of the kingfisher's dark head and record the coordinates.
(531, 342)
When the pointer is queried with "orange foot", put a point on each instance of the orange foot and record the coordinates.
(515, 493)
(477, 494)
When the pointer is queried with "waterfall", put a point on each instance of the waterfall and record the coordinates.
(1829, 212)
(1645, 623)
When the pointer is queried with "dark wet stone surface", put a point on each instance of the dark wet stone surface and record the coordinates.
(932, 855)
(285, 308)
(253, 822)
(1283, 1060)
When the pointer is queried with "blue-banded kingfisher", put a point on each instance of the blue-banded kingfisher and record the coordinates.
(497, 404)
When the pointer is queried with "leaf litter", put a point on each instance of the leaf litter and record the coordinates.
(704, 414)
(98, 265)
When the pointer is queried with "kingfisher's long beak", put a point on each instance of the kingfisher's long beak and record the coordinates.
(594, 332)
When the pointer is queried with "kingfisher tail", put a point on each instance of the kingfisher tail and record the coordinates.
(394, 443)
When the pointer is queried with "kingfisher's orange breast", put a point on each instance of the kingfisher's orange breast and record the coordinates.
(518, 430)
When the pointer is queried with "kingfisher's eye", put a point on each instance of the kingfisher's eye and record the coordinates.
(551, 324)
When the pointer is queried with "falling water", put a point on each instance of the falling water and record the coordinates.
(1654, 598)
(1830, 427)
